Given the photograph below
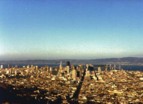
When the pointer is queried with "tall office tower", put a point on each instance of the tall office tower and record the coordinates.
(110, 67)
(36, 67)
(114, 67)
(28, 66)
(87, 71)
(106, 67)
(99, 69)
(1, 66)
(60, 69)
(60, 66)
(67, 69)
(73, 72)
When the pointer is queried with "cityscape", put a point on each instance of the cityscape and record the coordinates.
(80, 84)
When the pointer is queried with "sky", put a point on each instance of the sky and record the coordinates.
(70, 29)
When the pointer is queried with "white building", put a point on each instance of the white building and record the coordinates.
(1, 66)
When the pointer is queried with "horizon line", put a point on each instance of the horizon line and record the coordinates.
(67, 59)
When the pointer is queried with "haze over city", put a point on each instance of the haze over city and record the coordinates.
(70, 29)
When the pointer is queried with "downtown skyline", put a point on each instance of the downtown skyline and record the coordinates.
(70, 29)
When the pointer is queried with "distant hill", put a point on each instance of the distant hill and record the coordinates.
(122, 61)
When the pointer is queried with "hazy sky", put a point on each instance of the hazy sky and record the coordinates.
(81, 29)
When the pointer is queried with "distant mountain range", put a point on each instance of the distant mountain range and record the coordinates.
(121, 61)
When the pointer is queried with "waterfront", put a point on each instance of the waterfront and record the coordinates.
(125, 67)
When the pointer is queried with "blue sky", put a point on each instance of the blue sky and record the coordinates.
(71, 29)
